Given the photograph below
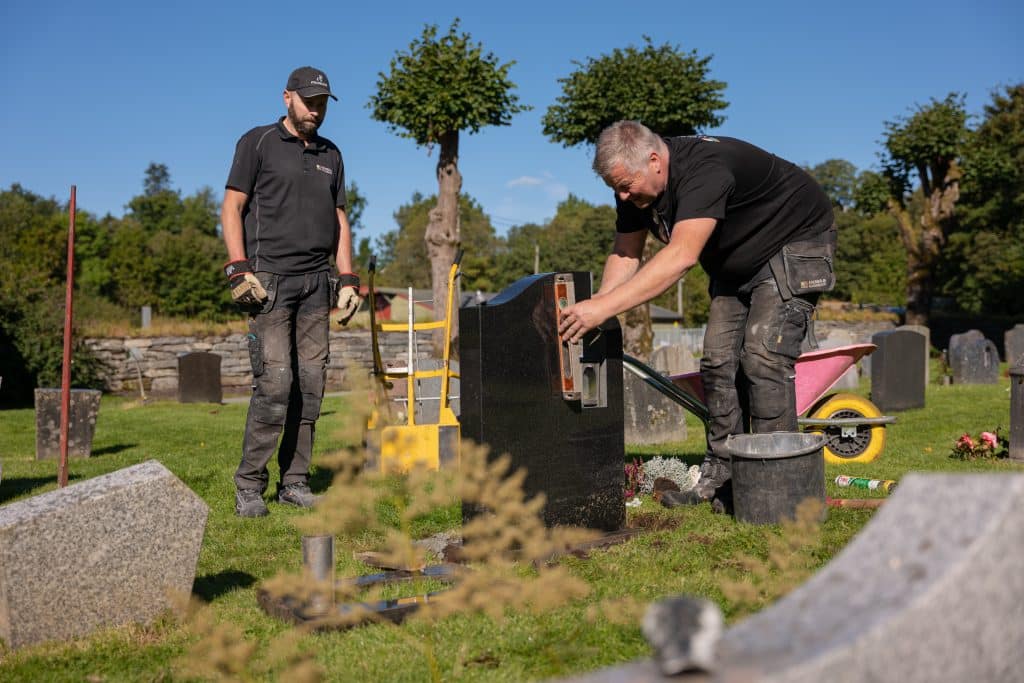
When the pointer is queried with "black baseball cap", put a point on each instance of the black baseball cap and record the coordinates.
(309, 82)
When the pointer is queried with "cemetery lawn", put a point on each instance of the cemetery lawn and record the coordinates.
(687, 550)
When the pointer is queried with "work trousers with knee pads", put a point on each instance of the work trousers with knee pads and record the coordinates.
(288, 349)
(751, 344)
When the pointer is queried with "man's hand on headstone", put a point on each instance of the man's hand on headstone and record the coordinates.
(348, 297)
(246, 290)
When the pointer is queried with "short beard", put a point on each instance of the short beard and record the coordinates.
(306, 129)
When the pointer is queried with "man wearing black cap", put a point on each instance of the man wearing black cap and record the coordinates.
(283, 219)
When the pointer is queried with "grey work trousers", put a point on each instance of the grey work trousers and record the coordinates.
(751, 344)
(288, 349)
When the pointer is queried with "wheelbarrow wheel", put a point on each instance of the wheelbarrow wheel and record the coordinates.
(863, 446)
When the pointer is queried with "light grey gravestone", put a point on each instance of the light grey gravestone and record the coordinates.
(649, 416)
(673, 359)
(927, 333)
(897, 370)
(1013, 344)
(958, 340)
(975, 361)
(930, 590)
(199, 378)
(84, 409)
(836, 338)
(112, 550)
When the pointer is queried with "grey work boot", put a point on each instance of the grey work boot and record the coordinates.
(297, 494)
(249, 503)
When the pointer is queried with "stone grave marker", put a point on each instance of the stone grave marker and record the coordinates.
(897, 370)
(565, 429)
(851, 378)
(930, 590)
(1013, 344)
(958, 340)
(923, 330)
(975, 361)
(84, 408)
(649, 416)
(673, 359)
(199, 378)
(108, 551)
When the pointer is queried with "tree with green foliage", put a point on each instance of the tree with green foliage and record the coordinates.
(665, 88)
(837, 177)
(402, 263)
(440, 87)
(984, 260)
(926, 145)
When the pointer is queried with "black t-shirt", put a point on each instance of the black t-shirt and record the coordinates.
(290, 221)
(761, 203)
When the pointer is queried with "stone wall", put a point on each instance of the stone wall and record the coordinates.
(158, 359)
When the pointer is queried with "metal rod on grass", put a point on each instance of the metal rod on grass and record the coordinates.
(65, 379)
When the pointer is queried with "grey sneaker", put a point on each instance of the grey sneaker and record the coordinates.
(249, 503)
(298, 495)
(714, 473)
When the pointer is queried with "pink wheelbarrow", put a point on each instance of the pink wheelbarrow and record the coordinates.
(853, 425)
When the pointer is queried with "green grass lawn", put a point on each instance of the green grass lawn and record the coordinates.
(687, 550)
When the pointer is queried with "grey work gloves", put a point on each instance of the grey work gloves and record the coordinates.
(246, 290)
(348, 297)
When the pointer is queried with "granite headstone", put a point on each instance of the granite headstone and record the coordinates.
(958, 340)
(84, 409)
(199, 378)
(930, 590)
(975, 361)
(649, 416)
(1013, 344)
(923, 330)
(514, 400)
(108, 551)
(897, 370)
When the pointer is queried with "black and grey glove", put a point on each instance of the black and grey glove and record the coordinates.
(246, 290)
(348, 297)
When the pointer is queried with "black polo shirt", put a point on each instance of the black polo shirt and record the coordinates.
(290, 222)
(761, 203)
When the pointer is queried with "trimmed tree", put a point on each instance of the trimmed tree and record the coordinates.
(412, 101)
(665, 88)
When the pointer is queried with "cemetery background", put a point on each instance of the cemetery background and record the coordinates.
(685, 551)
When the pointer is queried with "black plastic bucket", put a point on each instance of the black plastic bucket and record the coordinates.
(773, 473)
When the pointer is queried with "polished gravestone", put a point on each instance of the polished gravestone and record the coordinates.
(84, 409)
(199, 378)
(112, 550)
(930, 590)
(927, 333)
(1013, 344)
(897, 370)
(975, 361)
(564, 428)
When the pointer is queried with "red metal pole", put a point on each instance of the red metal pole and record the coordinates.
(65, 379)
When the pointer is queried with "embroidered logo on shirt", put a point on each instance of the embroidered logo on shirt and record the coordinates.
(324, 169)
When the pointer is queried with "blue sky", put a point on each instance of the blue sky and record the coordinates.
(95, 91)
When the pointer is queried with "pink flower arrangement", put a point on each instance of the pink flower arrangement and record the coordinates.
(986, 445)
(634, 477)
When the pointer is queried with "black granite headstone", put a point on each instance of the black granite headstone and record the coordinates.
(897, 370)
(199, 378)
(565, 429)
(975, 361)
(84, 407)
(1013, 344)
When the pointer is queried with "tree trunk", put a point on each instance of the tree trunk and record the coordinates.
(442, 235)
(924, 239)
(637, 332)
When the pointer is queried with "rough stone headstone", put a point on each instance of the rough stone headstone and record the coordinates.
(975, 361)
(936, 574)
(897, 370)
(515, 401)
(1013, 344)
(650, 417)
(922, 329)
(84, 408)
(958, 340)
(673, 359)
(1017, 411)
(199, 378)
(108, 551)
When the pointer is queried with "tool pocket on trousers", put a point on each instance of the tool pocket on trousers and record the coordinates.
(787, 334)
(255, 354)
(269, 282)
(808, 267)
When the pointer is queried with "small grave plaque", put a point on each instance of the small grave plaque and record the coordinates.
(199, 378)
(85, 406)
(897, 370)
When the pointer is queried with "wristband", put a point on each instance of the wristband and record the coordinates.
(348, 280)
(233, 268)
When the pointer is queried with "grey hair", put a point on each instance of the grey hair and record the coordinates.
(628, 143)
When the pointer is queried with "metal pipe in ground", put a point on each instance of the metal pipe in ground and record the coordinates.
(65, 378)
(318, 564)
